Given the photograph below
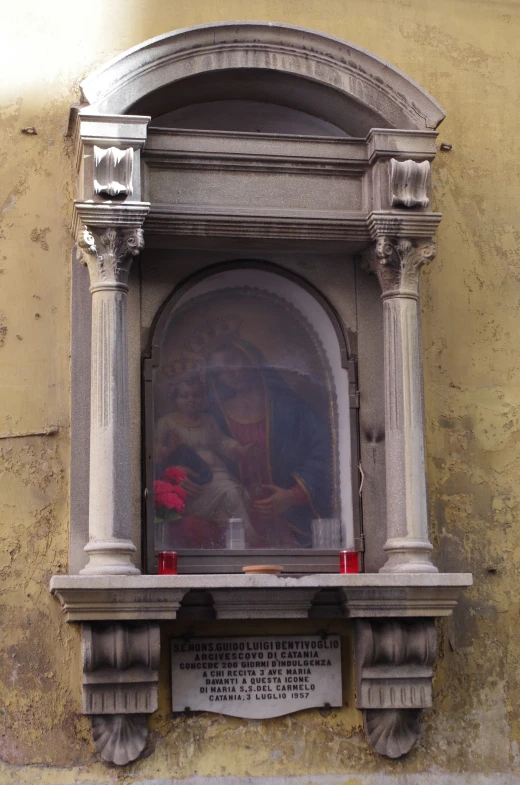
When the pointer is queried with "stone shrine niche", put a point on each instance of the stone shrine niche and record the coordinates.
(250, 397)
(241, 251)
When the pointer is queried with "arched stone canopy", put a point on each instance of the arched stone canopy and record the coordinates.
(343, 83)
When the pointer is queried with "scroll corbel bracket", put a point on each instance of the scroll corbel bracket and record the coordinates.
(394, 671)
(120, 679)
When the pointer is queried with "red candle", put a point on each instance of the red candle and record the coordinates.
(168, 563)
(348, 561)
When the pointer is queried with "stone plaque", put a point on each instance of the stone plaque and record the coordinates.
(256, 676)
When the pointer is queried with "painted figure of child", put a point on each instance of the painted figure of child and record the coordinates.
(212, 490)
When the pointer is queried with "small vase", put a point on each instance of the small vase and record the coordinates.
(164, 536)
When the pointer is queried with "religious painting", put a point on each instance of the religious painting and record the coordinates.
(245, 425)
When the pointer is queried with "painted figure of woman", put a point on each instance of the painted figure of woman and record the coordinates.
(289, 473)
(191, 439)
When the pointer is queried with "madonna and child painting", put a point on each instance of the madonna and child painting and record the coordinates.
(245, 409)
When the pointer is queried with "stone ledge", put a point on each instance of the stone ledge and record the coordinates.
(159, 597)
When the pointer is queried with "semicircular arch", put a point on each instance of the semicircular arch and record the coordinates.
(341, 82)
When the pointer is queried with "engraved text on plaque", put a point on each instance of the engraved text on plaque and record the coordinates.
(257, 676)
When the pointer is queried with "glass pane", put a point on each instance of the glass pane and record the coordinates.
(246, 445)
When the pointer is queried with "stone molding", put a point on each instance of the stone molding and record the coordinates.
(394, 671)
(403, 223)
(257, 224)
(106, 130)
(246, 151)
(159, 597)
(386, 143)
(120, 682)
(409, 183)
(317, 225)
(267, 603)
(353, 72)
(108, 215)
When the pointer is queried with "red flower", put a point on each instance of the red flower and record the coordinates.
(174, 475)
(177, 503)
(180, 491)
(166, 495)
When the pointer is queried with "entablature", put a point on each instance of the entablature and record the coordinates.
(202, 184)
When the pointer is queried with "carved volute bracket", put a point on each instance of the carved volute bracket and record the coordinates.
(397, 262)
(113, 169)
(409, 183)
(108, 254)
(394, 671)
(120, 678)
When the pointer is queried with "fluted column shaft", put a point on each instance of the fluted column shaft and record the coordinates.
(398, 263)
(108, 253)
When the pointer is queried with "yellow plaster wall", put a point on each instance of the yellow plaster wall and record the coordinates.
(464, 53)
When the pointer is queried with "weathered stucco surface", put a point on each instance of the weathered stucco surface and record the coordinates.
(463, 52)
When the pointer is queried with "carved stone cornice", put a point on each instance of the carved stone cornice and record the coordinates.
(403, 223)
(159, 597)
(397, 262)
(108, 214)
(394, 671)
(252, 223)
(108, 254)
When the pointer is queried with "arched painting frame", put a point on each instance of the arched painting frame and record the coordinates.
(261, 322)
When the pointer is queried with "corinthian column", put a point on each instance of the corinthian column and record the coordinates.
(108, 254)
(398, 263)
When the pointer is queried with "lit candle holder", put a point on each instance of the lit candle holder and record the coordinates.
(167, 563)
(348, 562)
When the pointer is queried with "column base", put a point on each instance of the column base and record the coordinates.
(406, 555)
(110, 557)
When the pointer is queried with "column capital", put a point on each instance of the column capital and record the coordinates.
(397, 262)
(108, 253)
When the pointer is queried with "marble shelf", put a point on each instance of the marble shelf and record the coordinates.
(235, 596)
